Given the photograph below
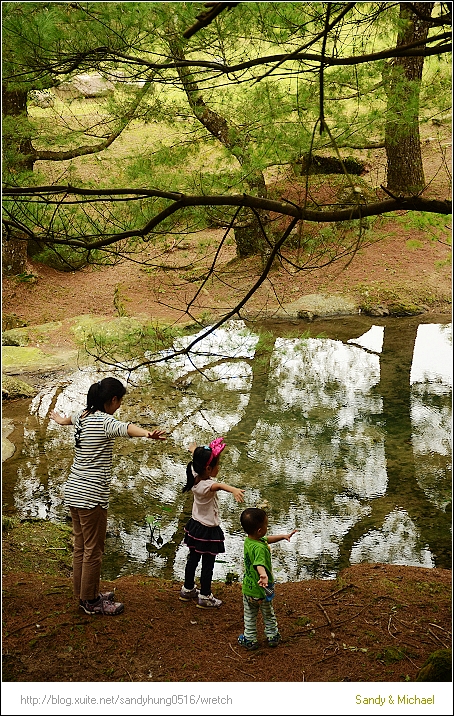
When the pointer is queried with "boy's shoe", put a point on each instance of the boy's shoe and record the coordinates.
(274, 640)
(208, 602)
(249, 645)
(102, 606)
(187, 594)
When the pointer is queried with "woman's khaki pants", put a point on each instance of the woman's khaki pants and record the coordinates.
(89, 528)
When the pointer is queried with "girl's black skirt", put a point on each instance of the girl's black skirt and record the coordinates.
(203, 539)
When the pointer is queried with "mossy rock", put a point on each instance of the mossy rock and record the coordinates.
(438, 667)
(11, 320)
(317, 164)
(391, 654)
(30, 334)
(15, 388)
(401, 309)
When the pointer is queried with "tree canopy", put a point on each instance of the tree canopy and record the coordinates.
(226, 94)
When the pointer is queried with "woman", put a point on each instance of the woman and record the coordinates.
(88, 486)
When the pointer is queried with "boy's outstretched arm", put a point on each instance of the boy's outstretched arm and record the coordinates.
(279, 538)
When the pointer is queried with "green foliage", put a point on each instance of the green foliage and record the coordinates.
(126, 339)
(392, 654)
(163, 143)
(303, 621)
(62, 258)
(35, 545)
(231, 577)
(26, 277)
(413, 244)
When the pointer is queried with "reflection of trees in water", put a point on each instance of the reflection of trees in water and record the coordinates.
(392, 424)
(331, 449)
(402, 489)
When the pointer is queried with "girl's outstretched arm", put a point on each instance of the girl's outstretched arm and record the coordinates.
(60, 419)
(277, 538)
(236, 492)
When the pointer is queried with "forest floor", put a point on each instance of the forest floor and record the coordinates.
(405, 261)
(375, 622)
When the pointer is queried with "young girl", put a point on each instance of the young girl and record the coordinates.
(88, 486)
(203, 535)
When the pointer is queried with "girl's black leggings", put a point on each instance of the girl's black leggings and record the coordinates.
(206, 573)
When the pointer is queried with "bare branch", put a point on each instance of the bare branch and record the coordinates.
(397, 203)
(206, 17)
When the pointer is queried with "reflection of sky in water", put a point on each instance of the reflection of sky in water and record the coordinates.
(329, 384)
(314, 448)
(432, 356)
(232, 340)
(395, 543)
(431, 378)
(372, 340)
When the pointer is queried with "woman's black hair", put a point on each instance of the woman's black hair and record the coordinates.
(200, 457)
(102, 392)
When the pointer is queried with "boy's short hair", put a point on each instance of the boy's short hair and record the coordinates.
(252, 519)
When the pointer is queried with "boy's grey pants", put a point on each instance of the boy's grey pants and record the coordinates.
(251, 610)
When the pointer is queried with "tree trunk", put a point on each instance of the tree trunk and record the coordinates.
(18, 156)
(249, 237)
(402, 82)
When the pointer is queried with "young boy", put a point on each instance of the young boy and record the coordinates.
(258, 593)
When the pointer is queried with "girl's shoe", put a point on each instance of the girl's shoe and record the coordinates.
(249, 645)
(274, 640)
(207, 602)
(102, 606)
(187, 594)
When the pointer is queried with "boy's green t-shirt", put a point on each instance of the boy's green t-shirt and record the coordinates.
(256, 552)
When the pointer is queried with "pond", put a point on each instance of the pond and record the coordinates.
(343, 432)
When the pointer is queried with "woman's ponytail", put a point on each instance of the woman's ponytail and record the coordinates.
(102, 392)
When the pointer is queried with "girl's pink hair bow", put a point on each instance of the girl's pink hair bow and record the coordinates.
(216, 446)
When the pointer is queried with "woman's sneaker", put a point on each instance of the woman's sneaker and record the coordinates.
(102, 606)
(274, 640)
(249, 645)
(207, 602)
(187, 594)
(107, 596)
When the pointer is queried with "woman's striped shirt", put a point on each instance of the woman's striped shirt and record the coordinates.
(88, 484)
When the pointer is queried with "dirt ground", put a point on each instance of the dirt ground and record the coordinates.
(410, 264)
(374, 623)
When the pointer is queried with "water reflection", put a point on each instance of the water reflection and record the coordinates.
(346, 437)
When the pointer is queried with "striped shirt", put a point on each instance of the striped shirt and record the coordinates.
(88, 484)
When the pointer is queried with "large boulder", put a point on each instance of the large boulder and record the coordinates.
(85, 85)
(41, 98)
